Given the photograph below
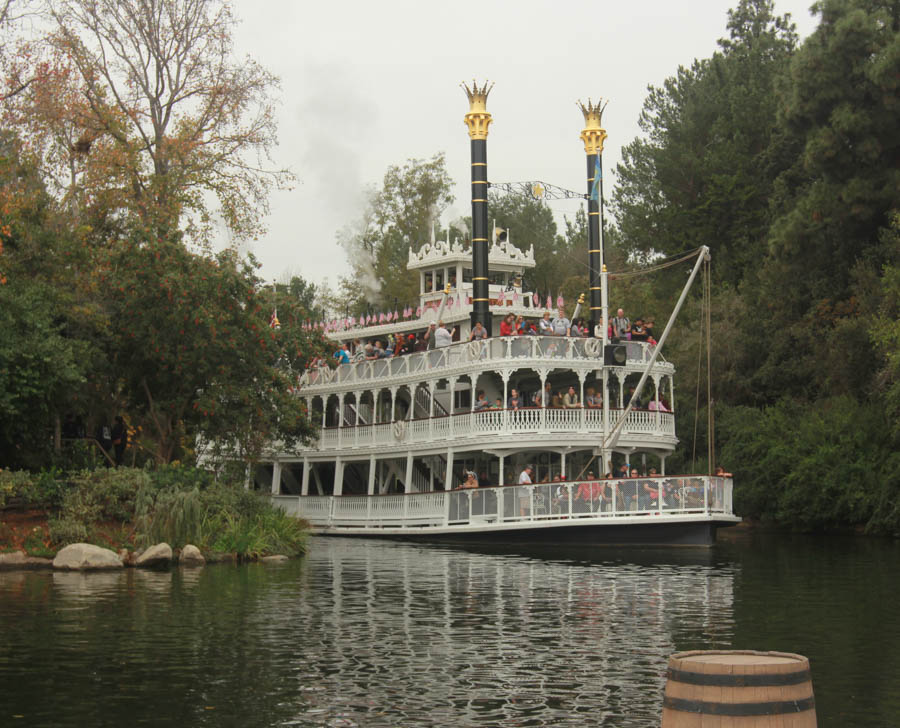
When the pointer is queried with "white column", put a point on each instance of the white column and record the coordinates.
(662, 464)
(581, 377)
(501, 470)
(449, 474)
(276, 477)
(562, 463)
(542, 373)
(505, 376)
(409, 470)
(304, 483)
(431, 384)
(370, 488)
(340, 419)
(452, 401)
(656, 415)
(338, 477)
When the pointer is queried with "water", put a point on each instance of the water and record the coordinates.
(388, 634)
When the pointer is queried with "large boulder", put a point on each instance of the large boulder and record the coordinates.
(274, 559)
(191, 556)
(84, 556)
(159, 555)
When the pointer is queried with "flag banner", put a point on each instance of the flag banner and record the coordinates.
(559, 301)
(535, 300)
(549, 302)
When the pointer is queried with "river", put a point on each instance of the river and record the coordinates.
(379, 633)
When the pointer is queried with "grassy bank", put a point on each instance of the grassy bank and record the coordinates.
(134, 508)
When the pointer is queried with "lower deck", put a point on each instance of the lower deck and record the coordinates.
(661, 510)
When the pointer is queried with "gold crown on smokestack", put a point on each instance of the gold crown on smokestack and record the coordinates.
(593, 135)
(478, 119)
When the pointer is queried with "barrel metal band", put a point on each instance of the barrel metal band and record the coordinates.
(481, 299)
(596, 288)
(596, 308)
(777, 707)
(480, 278)
(739, 681)
(475, 200)
(479, 181)
(593, 213)
(479, 240)
(479, 164)
(595, 250)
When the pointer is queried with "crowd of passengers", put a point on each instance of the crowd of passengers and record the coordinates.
(592, 495)
(437, 336)
(560, 399)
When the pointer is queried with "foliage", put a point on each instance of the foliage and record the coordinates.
(185, 506)
(141, 109)
(175, 504)
(814, 467)
(397, 218)
(194, 347)
(838, 131)
(702, 174)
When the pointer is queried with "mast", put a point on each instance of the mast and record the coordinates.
(478, 120)
(593, 135)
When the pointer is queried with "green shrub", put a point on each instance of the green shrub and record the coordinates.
(66, 530)
(171, 515)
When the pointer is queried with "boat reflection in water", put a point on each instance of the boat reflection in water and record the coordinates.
(433, 636)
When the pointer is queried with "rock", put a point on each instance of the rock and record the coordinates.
(83, 556)
(159, 555)
(127, 557)
(12, 560)
(191, 556)
(274, 559)
(21, 560)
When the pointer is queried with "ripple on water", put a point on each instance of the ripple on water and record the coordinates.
(387, 634)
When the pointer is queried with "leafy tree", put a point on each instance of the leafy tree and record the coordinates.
(396, 219)
(702, 174)
(39, 366)
(193, 345)
(529, 224)
(837, 118)
(142, 107)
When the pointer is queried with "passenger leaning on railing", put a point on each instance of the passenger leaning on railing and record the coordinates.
(478, 332)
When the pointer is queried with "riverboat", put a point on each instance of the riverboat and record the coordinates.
(400, 435)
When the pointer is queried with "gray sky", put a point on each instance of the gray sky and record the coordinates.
(370, 84)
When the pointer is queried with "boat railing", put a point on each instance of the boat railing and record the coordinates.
(497, 422)
(630, 498)
(498, 348)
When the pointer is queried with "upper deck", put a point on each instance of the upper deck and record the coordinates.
(539, 353)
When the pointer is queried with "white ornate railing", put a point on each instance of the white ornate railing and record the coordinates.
(497, 422)
(495, 349)
(599, 500)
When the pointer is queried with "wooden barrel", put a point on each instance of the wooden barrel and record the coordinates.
(741, 688)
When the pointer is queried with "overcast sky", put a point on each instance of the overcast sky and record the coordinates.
(370, 84)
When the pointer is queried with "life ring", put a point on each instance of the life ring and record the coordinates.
(399, 429)
(592, 347)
